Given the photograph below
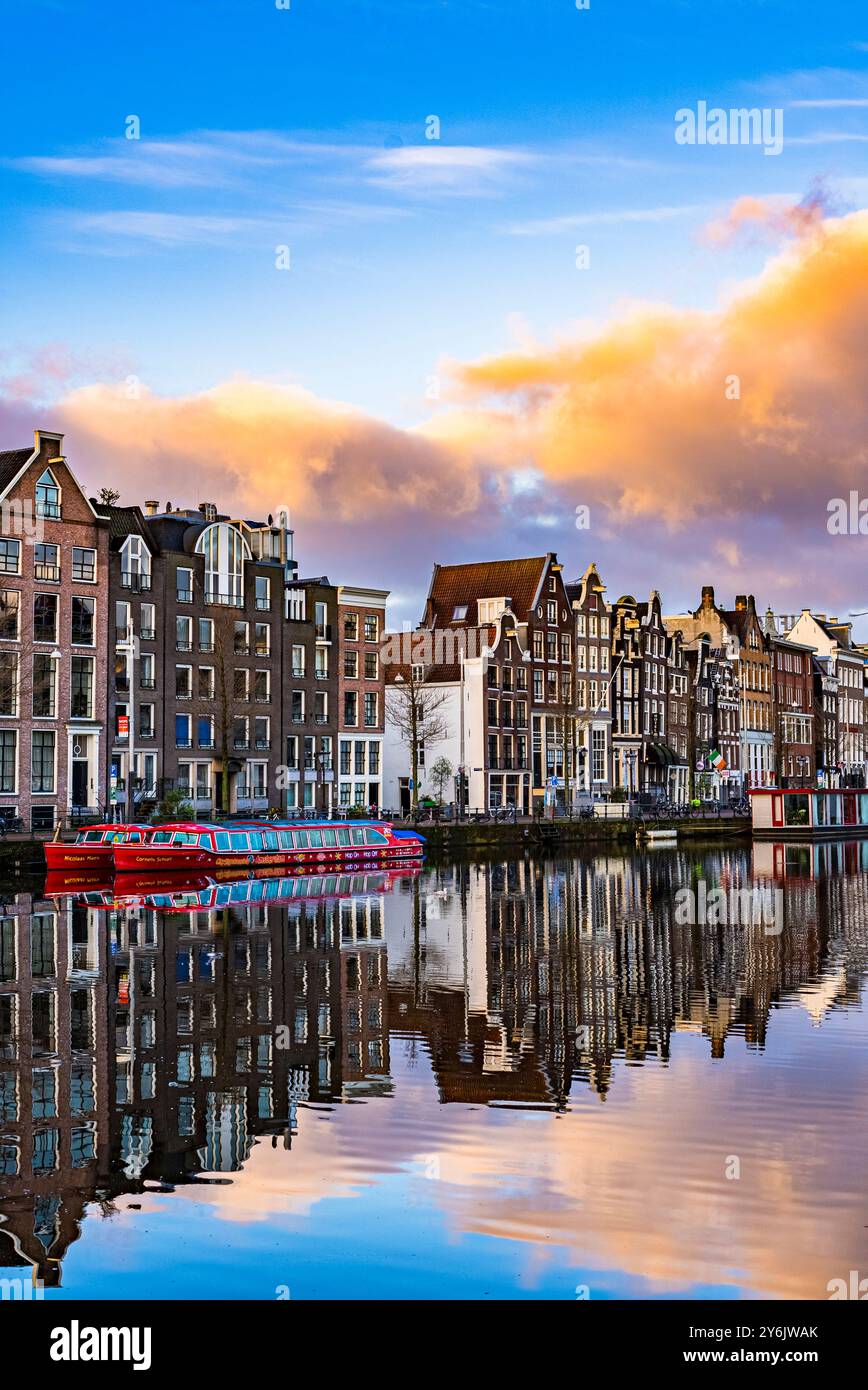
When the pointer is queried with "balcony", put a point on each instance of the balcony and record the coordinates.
(298, 671)
(182, 742)
(321, 719)
(240, 744)
(321, 675)
(241, 649)
(224, 600)
(136, 583)
(184, 595)
(148, 634)
(47, 574)
(183, 694)
(298, 718)
(147, 732)
(206, 647)
(263, 605)
(262, 744)
(148, 683)
(207, 742)
(51, 510)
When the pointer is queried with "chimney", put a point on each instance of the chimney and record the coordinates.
(708, 596)
(151, 507)
(740, 603)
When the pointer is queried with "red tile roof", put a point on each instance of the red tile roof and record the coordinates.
(455, 585)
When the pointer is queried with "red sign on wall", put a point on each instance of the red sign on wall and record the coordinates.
(123, 726)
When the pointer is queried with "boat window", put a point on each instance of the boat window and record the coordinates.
(271, 840)
(221, 839)
(797, 810)
(162, 837)
(328, 839)
(134, 837)
(239, 841)
(302, 839)
(358, 837)
(343, 835)
(255, 839)
(819, 809)
(286, 839)
(315, 839)
(375, 837)
(184, 837)
(91, 837)
(205, 840)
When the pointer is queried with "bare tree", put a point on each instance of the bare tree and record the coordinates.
(109, 496)
(415, 710)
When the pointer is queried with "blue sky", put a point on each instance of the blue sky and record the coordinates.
(306, 128)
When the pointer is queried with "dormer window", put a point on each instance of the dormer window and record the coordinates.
(135, 565)
(48, 496)
(459, 613)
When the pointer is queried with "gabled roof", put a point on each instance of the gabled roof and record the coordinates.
(11, 463)
(124, 522)
(453, 586)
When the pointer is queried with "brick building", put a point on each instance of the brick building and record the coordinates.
(593, 647)
(361, 696)
(53, 637)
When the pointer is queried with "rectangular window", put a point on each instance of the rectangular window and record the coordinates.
(205, 685)
(262, 639)
(263, 592)
(351, 627)
(10, 607)
(184, 585)
(45, 618)
(81, 688)
(184, 634)
(182, 730)
(351, 708)
(83, 565)
(83, 610)
(146, 721)
(8, 750)
(44, 686)
(42, 761)
(370, 711)
(8, 682)
(183, 682)
(372, 627)
(371, 666)
(10, 556)
(147, 618)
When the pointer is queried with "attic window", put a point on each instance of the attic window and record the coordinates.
(459, 612)
(47, 495)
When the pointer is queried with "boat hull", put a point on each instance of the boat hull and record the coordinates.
(66, 857)
(139, 859)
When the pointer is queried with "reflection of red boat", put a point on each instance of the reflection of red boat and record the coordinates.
(198, 893)
(93, 847)
(293, 845)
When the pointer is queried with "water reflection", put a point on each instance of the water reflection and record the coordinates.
(149, 1045)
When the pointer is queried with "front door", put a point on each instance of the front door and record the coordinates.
(79, 782)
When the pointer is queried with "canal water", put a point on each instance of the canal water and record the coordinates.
(608, 1076)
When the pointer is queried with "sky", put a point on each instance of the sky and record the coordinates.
(437, 273)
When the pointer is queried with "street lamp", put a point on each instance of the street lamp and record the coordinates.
(631, 776)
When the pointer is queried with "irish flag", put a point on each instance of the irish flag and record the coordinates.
(718, 761)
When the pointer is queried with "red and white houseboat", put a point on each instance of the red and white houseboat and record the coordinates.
(808, 813)
(93, 847)
(304, 846)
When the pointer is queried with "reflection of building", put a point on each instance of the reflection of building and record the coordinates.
(54, 1059)
(143, 1045)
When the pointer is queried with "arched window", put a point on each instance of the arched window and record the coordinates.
(225, 551)
(48, 495)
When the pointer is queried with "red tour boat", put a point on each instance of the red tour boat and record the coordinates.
(239, 845)
(93, 847)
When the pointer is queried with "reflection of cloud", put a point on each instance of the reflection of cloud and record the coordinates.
(638, 1185)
